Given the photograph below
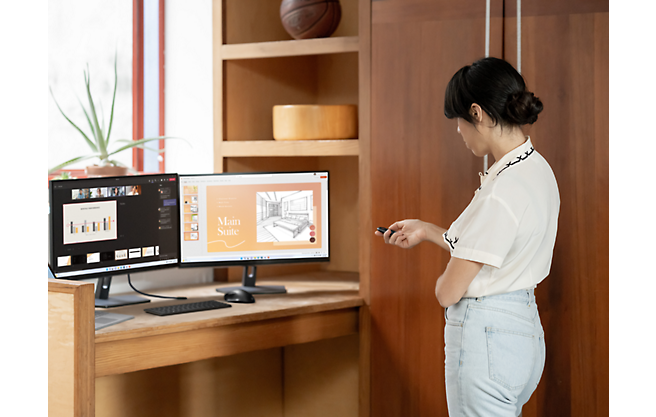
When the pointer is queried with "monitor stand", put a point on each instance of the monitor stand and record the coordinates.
(248, 284)
(103, 300)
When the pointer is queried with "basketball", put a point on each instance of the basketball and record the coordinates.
(306, 19)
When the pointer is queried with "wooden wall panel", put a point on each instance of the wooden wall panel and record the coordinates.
(247, 384)
(321, 378)
(420, 168)
(565, 62)
(310, 379)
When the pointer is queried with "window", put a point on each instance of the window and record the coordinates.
(149, 92)
(82, 33)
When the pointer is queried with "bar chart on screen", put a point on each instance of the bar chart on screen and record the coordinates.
(89, 222)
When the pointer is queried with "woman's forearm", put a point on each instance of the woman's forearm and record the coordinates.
(434, 234)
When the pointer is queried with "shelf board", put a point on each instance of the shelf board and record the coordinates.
(268, 148)
(319, 46)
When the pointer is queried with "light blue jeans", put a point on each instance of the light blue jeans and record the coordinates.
(495, 352)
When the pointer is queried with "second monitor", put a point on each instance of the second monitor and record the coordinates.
(252, 219)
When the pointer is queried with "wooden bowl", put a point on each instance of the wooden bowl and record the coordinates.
(311, 122)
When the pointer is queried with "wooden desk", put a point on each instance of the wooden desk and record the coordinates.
(310, 311)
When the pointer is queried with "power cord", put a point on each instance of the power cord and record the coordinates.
(152, 295)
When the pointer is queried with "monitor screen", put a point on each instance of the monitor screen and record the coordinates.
(111, 226)
(254, 218)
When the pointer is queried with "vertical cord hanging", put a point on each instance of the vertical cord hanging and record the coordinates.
(487, 54)
(519, 36)
(487, 46)
(487, 28)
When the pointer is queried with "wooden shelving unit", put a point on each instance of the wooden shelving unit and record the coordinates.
(268, 148)
(257, 65)
(274, 49)
(256, 94)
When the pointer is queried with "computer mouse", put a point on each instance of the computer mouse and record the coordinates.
(239, 296)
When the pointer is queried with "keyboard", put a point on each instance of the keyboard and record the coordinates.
(186, 308)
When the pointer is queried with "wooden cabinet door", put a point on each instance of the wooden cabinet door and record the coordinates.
(420, 168)
(564, 59)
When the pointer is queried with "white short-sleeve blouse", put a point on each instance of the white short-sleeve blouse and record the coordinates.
(510, 225)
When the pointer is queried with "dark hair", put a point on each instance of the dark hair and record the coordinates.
(497, 87)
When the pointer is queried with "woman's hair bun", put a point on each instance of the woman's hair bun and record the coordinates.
(523, 108)
(496, 86)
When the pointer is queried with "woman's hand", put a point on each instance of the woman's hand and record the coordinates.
(408, 233)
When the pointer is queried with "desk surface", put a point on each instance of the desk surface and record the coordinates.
(302, 297)
(310, 310)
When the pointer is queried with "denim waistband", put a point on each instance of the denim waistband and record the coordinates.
(526, 295)
(516, 302)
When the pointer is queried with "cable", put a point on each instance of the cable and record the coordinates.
(151, 295)
(519, 36)
(487, 54)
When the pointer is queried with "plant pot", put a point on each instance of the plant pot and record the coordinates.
(105, 171)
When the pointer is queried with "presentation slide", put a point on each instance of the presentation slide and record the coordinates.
(256, 217)
(89, 222)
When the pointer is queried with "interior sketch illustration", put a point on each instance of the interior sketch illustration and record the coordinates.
(284, 216)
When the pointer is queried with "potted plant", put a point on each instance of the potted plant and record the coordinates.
(98, 139)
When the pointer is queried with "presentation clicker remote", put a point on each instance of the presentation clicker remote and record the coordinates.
(383, 230)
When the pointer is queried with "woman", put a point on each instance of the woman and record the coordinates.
(501, 247)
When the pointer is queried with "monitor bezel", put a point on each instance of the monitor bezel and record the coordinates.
(253, 262)
(94, 275)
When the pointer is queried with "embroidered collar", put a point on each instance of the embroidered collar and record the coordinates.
(517, 155)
